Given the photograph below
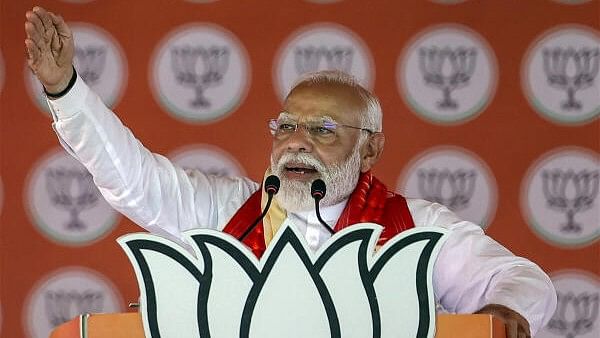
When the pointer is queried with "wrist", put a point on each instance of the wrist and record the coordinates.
(63, 86)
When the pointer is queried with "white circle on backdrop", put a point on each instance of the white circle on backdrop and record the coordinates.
(560, 199)
(576, 313)
(560, 74)
(64, 204)
(200, 73)
(322, 46)
(99, 61)
(454, 177)
(66, 293)
(208, 159)
(447, 74)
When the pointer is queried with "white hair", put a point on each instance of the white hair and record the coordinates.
(371, 117)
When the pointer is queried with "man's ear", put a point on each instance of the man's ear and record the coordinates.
(371, 151)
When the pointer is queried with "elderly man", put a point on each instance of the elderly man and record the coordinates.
(330, 128)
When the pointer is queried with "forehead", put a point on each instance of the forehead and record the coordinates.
(336, 101)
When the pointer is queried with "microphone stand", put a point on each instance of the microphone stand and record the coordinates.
(271, 188)
(317, 191)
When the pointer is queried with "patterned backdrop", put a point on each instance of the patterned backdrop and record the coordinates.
(490, 107)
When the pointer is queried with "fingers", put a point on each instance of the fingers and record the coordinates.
(524, 331)
(33, 35)
(33, 53)
(44, 17)
(49, 31)
(55, 43)
(61, 27)
(35, 31)
(35, 21)
(516, 325)
(512, 329)
(62, 32)
(31, 31)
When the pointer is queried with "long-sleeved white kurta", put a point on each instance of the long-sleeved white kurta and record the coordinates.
(472, 270)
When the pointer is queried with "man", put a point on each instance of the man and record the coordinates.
(330, 128)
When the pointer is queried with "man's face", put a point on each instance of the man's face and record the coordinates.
(301, 157)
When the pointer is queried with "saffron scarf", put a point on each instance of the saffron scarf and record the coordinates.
(369, 202)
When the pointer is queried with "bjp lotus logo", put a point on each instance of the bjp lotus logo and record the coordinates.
(575, 315)
(348, 288)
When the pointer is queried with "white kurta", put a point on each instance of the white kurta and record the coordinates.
(472, 270)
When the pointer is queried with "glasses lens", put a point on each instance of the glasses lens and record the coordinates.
(282, 127)
(321, 129)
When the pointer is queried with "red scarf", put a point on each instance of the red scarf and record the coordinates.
(370, 202)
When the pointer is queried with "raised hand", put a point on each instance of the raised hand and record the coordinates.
(50, 48)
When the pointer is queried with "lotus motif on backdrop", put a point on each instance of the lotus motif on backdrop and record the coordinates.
(571, 70)
(575, 315)
(62, 305)
(453, 188)
(349, 288)
(570, 192)
(91, 61)
(447, 69)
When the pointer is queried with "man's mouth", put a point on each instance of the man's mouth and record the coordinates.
(299, 169)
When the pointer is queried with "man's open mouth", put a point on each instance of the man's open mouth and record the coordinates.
(300, 168)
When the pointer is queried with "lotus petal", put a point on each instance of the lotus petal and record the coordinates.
(401, 274)
(289, 292)
(232, 277)
(342, 264)
(159, 265)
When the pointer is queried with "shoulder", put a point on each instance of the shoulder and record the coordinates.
(426, 213)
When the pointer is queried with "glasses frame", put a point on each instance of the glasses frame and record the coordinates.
(296, 124)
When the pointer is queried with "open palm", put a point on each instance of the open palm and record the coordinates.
(50, 48)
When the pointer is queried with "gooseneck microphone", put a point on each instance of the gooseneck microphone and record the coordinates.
(317, 191)
(271, 187)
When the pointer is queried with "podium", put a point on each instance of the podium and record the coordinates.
(349, 286)
(129, 325)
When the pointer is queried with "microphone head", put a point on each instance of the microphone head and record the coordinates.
(318, 189)
(272, 185)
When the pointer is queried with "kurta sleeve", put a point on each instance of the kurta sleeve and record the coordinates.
(472, 270)
(145, 187)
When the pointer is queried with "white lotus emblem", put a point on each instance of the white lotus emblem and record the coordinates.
(346, 289)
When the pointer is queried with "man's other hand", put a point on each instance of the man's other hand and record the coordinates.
(50, 48)
(516, 325)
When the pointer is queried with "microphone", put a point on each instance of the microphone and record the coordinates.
(271, 187)
(317, 191)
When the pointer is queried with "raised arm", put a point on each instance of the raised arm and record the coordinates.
(145, 187)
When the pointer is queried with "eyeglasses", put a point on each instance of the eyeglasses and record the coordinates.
(323, 131)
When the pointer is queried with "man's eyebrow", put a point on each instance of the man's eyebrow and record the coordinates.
(327, 118)
(286, 115)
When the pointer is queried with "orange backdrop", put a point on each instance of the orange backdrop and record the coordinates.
(522, 137)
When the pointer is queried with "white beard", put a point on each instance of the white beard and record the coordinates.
(340, 180)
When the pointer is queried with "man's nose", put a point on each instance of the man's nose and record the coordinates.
(300, 141)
